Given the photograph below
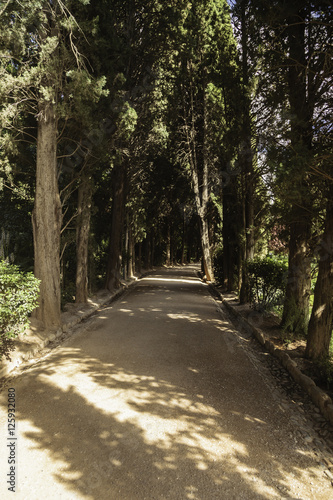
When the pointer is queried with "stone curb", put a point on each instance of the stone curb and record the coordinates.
(318, 396)
(36, 338)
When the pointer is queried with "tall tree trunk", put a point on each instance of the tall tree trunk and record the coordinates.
(126, 251)
(205, 246)
(182, 259)
(47, 219)
(229, 249)
(168, 246)
(147, 252)
(195, 118)
(152, 251)
(189, 248)
(204, 198)
(140, 257)
(82, 238)
(321, 321)
(113, 275)
(248, 224)
(247, 159)
(131, 254)
(296, 304)
(231, 229)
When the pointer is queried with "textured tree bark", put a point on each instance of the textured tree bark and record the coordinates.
(248, 223)
(82, 238)
(200, 177)
(182, 260)
(131, 254)
(113, 275)
(168, 246)
(139, 256)
(126, 251)
(152, 247)
(296, 304)
(147, 251)
(205, 246)
(195, 119)
(231, 226)
(321, 321)
(47, 219)
(172, 248)
(247, 160)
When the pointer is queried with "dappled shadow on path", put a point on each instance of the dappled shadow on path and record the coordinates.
(160, 442)
(142, 427)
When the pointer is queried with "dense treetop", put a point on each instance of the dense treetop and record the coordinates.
(139, 133)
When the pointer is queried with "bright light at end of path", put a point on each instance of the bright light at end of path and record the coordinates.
(167, 280)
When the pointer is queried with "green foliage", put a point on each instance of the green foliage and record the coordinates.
(18, 298)
(127, 121)
(267, 281)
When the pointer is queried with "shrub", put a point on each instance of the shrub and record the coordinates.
(267, 281)
(18, 298)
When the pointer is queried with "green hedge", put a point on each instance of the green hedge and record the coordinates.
(18, 298)
(267, 281)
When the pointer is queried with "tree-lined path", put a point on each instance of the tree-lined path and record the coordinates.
(154, 398)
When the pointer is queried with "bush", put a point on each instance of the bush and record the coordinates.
(267, 281)
(18, 298)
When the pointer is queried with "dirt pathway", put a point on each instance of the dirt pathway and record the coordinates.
(153, 399)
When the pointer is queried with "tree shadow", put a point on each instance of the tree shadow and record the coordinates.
(164, 444)
(142, 427)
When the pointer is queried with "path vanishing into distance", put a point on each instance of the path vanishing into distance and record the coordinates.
(154, 398)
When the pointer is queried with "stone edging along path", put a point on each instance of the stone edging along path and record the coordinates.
(319, 397)
(35, 338)
(28, 345)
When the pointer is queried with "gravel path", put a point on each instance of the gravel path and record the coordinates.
(157, 397)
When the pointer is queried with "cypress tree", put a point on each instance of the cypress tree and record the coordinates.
(43, 74)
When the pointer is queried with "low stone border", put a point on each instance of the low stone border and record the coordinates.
(35, 338)
(319, 397)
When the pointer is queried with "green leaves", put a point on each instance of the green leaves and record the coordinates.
(18, 298)
(127, 121)
(267, 281)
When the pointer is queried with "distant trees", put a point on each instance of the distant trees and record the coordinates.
(205, 76)
(134, 132)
